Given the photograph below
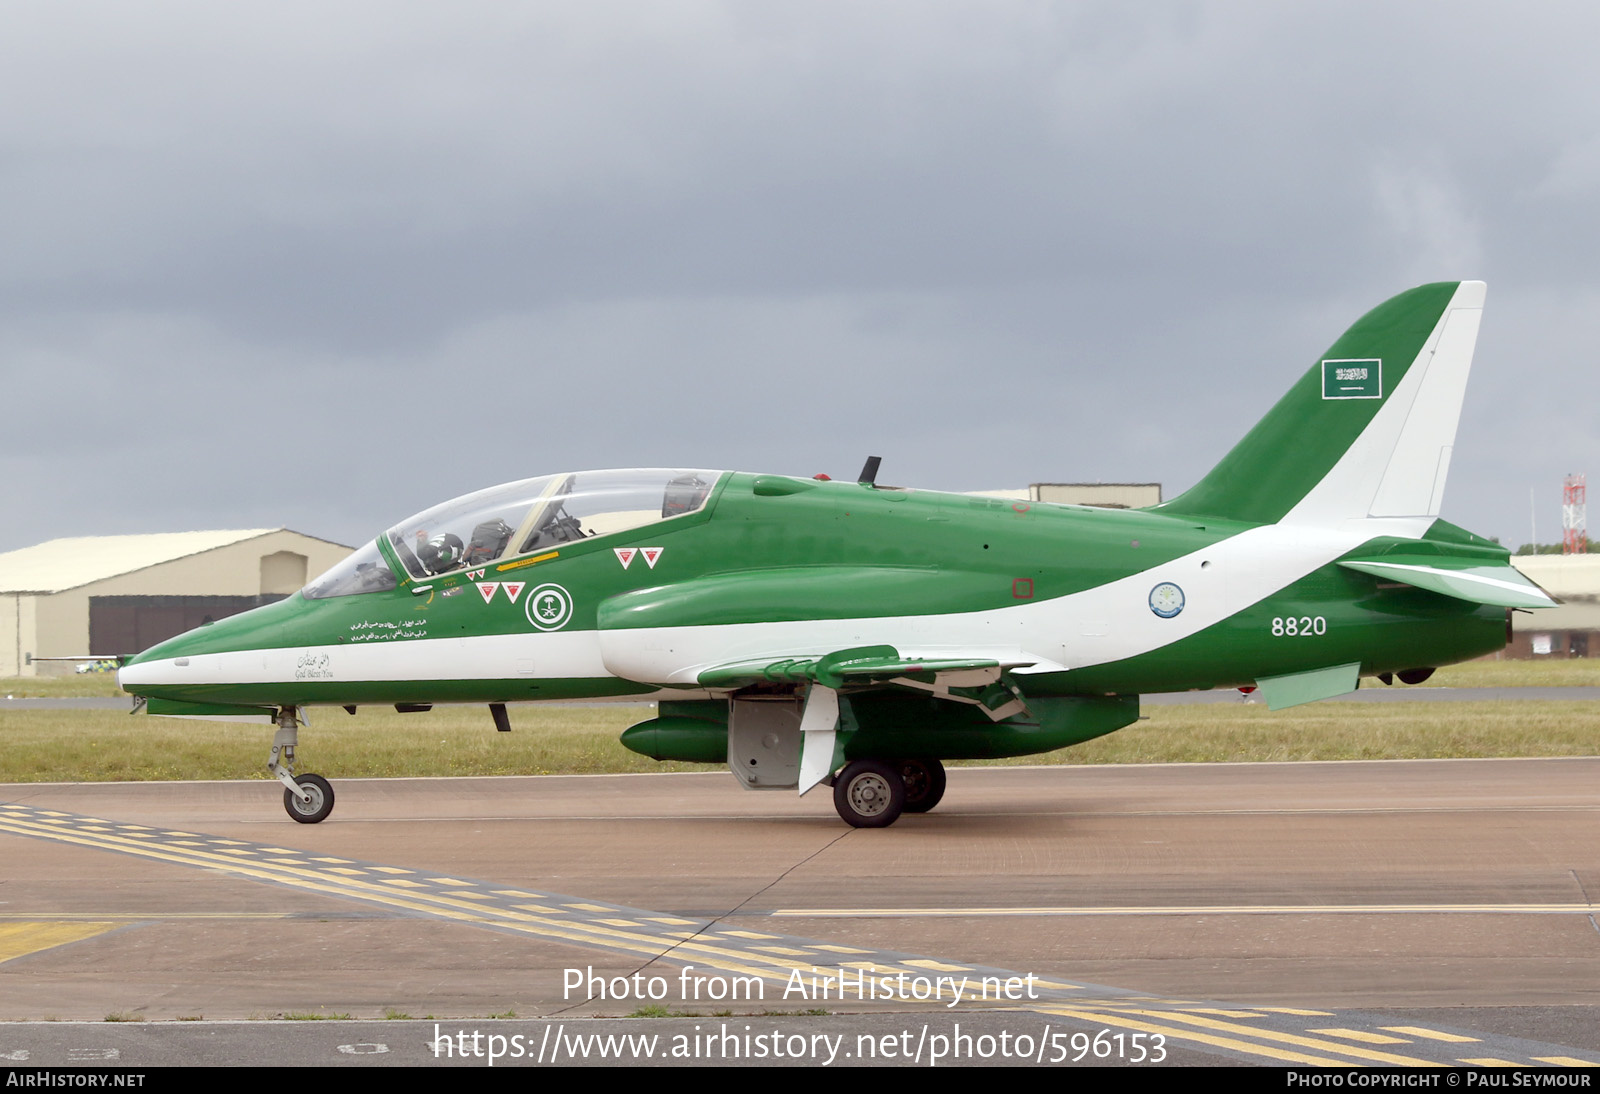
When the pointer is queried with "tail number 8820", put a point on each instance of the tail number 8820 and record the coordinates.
(1305, 626)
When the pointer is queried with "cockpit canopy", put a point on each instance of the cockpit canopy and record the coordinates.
(519, 518)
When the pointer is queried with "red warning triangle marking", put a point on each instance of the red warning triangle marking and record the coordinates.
(625, 555)
(651, 554)
(513, 589)
(487, 588)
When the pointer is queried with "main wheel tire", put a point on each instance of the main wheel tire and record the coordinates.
(870, 793)
(315, 810)
(925, 783)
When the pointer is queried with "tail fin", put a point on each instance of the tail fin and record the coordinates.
(1367, 431)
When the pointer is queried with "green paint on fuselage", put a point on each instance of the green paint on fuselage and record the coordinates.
(1385, 629)
(839, 551)
(842, 550)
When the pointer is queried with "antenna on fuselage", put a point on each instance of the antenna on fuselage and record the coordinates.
(869, 471)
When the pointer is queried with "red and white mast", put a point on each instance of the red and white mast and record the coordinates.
(1574, 519)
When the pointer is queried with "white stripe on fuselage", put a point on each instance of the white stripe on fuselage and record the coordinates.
(531, 656)
(1107, 623)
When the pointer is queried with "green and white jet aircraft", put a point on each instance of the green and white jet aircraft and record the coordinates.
(805, 631)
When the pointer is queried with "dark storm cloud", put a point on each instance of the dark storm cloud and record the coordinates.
(324, 265)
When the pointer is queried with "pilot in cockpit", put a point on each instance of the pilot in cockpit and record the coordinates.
(439, 554)
(557, 526)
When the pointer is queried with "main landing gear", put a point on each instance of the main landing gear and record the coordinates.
(924, 781)
(306, 798)
(873, 793)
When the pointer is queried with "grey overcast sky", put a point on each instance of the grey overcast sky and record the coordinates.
(324, 264)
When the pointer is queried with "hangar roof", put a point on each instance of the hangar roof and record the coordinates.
(62, 564)
(1566, 576)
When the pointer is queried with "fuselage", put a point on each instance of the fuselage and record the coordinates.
(1083, 601)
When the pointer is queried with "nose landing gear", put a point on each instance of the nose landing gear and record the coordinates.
(306, 798)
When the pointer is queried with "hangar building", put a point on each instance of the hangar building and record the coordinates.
(1571, 630)
(107, 595)
(1106, 495)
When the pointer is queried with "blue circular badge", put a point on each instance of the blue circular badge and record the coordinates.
(1166, 600)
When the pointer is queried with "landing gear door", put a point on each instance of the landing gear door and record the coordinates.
(764, 743)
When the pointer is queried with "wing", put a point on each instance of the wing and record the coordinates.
(975, 680)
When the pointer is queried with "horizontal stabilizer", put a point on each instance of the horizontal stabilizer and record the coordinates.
(1463, 578)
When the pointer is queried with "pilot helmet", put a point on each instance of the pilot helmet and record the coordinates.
(442, 552)
(684, 494)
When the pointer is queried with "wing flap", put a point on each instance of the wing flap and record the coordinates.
(974, 680)
(861, 665)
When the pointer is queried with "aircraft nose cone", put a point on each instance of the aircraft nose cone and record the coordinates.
(152, 673)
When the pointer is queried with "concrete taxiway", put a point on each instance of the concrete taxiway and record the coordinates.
(1185, 898)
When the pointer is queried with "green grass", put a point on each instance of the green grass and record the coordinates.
(312, 1016)
(107, 745)
(97, 745)
(1573, 672)
(89, 685)
(1559, 672)
(1238, 732)
(102, 745)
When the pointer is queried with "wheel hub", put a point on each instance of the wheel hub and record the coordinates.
(916, 778)
(869, 794)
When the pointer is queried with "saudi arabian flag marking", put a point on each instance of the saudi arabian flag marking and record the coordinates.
(548, 607)
(1352, 379)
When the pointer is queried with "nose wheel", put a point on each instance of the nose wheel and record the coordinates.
(314, 801)
(306, 798)
(869, 793)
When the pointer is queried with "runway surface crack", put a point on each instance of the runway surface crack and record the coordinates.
(1584, 889)
(717, 920)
